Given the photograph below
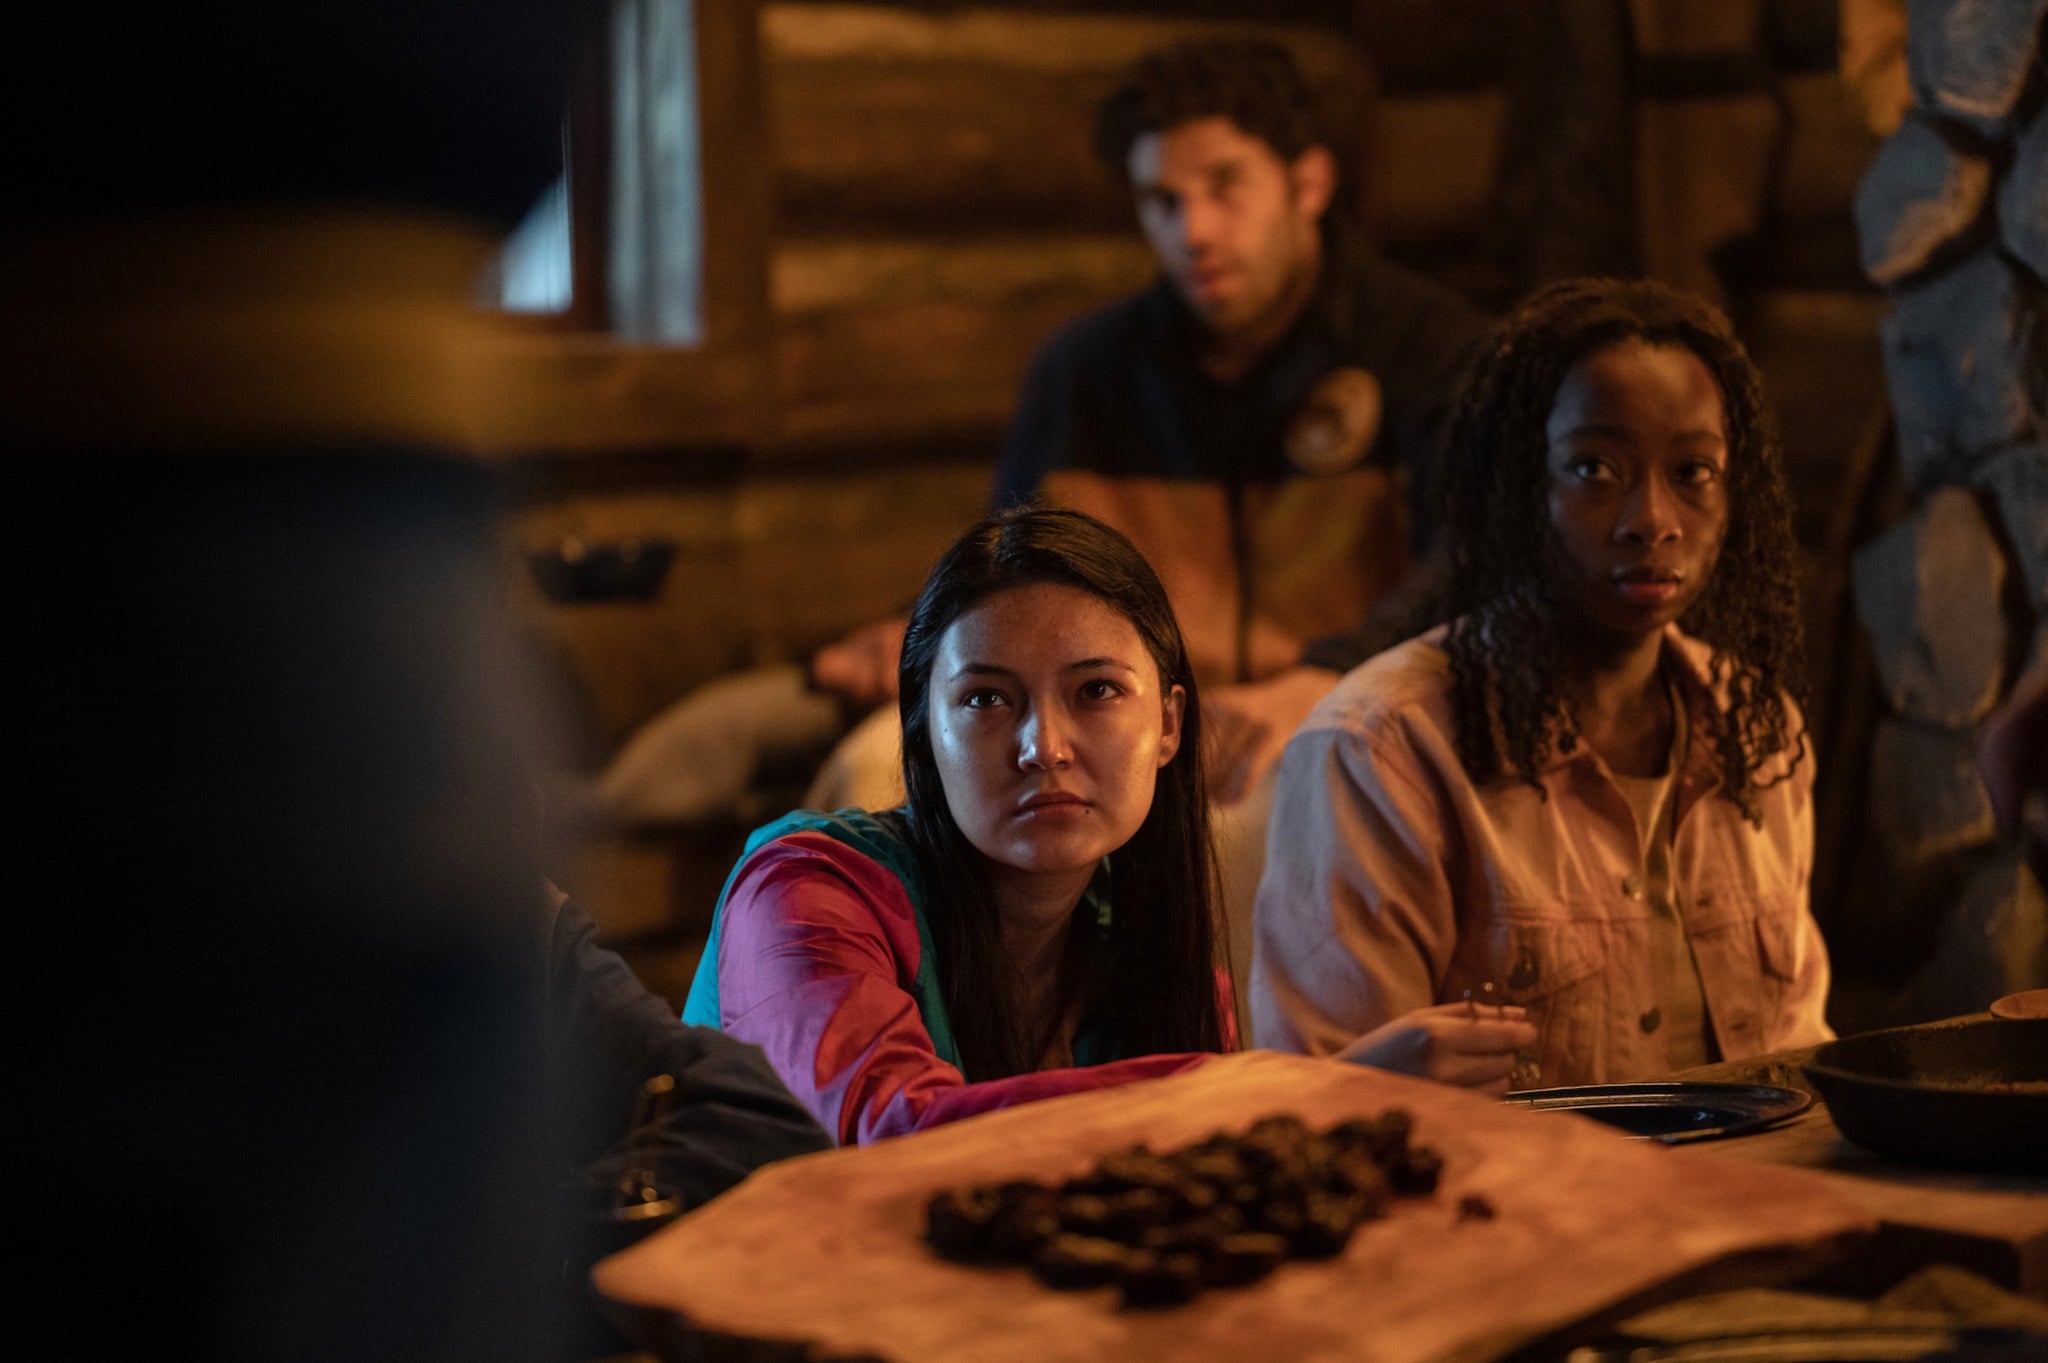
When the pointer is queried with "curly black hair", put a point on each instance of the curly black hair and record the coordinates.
(1254, 83)
(1503, 595)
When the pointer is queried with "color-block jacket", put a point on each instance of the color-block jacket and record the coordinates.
(820, 954)
(1271, 507)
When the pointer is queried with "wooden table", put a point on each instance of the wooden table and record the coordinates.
(1994, 1225)
(1593, 1227)
(826, 1249)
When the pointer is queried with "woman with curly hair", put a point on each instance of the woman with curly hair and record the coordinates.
(1586, 799)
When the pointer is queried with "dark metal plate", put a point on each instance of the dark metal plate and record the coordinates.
(1672, 1112)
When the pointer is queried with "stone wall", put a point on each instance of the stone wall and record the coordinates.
(1953, 221)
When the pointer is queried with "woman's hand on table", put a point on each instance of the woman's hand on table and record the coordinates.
(1473, 1047)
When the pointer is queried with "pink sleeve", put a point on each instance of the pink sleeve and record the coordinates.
(818, 949)
(1226, 1011)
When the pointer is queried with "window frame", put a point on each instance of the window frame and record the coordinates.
(572, 386)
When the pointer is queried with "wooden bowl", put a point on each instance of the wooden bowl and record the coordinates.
(1969, 1094)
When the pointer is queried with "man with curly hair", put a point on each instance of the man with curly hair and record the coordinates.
(1251, 418)
(1562, 801)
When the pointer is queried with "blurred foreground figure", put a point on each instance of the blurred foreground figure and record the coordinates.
(717, 1111)
(284, 1093)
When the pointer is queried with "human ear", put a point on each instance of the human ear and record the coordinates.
(1314, 177)
(1171, 708)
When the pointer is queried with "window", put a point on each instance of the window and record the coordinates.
(532, 274)
(631, 194)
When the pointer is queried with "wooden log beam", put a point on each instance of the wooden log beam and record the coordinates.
(892, 119)
(912, 338)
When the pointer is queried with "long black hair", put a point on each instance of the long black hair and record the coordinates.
(1150, 984)
(1504, 595)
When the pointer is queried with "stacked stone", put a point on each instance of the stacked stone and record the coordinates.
(1953, 220)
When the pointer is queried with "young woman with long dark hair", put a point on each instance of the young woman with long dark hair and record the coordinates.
(1038, 918)
(1588, 796)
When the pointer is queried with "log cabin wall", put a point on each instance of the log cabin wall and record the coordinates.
(935, 212)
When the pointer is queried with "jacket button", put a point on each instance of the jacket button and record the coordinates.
(1651, 1020)
(1632, 886)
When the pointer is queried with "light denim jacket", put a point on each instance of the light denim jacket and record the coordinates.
(1393, 882)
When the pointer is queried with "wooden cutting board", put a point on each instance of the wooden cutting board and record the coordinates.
(826, 1249)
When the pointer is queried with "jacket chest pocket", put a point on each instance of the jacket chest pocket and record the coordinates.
(1534, 960)
(1555, 968)
(1747, 962)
